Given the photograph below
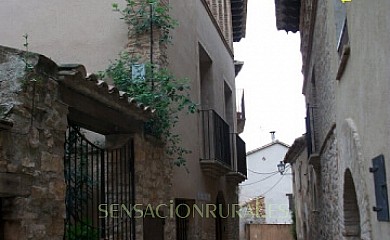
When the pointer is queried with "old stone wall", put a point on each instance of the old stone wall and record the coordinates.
(32, 150)
(140, 45)
(318, 51)
(338, 145)
(320, 69)
(153, 181)
(330, 184)
(33, 123)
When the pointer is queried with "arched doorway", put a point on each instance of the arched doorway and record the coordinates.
(351, 209)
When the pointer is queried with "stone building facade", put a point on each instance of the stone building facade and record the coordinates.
(346, 85)
(38, 104)
(202, 51)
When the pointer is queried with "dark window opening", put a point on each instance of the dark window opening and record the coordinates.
(228, 95)
(351, 208)
(153, 228)
(206, 83)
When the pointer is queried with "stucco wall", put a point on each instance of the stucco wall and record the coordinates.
(363, 92)
(66, 31)
(196, 27)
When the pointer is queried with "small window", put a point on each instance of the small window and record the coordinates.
(343, 49)
(228, 98)
(206, 80)
(340, 15)
(343, 42)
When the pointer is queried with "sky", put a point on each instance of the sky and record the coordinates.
(271, 78)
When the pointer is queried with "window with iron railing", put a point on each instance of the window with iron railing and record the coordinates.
(216, 140)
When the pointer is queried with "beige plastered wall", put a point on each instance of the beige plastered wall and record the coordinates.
(78, 31)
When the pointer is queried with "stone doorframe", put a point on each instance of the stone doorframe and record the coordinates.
(352, 163)
(37, 99)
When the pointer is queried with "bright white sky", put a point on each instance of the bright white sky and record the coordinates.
(271, 78)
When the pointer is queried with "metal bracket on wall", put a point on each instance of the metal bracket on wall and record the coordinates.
(382, 204)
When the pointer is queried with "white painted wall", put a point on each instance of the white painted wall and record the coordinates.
(273, 187)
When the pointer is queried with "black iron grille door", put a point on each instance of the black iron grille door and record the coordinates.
(98, 180)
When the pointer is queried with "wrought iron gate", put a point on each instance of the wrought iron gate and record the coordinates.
(96, 180)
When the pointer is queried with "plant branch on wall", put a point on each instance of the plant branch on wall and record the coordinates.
(153, 85)
(142, 14)
(169, 97)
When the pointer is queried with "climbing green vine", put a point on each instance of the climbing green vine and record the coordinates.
(138, 16)
(154, 85)
(168, 97)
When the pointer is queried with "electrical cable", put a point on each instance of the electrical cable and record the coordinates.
(272, 186)
(266, 173)
(263, 179)
(261, 172)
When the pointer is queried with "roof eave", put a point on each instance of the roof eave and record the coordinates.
(287, 15)
(239, 15)
(295, 150)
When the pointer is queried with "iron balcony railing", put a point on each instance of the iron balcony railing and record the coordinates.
(216, 140)
(241, 156)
